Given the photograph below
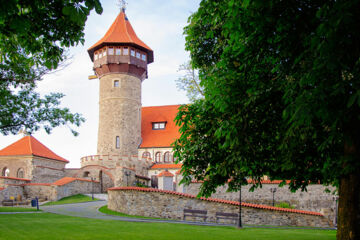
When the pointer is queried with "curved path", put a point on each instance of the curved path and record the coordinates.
(90, 210)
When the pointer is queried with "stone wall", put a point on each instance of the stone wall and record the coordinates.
(15, 163)
(42, 191)
(170, 205)
(46, 170)
(11, 191)
(315, 199)
(75, 187)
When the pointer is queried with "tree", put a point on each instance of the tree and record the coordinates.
(33, 37)
(281, 85)
(189, 82)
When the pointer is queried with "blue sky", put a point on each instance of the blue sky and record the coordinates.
(160, 25)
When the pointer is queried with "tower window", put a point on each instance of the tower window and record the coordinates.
(132, 52)
(138, 55)
(125, 51)
(100, 54)
(104, 52)
(118, 51)
(158, 125)
(116, 83)
(158, 157)
(111, 51)
(20, 173)
(167, 157)
(96, 56)
(143, 57)
(117, 142)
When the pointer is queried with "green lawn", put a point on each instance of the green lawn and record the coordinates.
(104, 209)
(17, 209)
(52, 226)
(72, 199)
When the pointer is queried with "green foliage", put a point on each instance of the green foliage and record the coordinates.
(79, 198)
(139, 184)
(281, 86)
(284, 205)
(33, 37)
(189, 82)
(24, 109)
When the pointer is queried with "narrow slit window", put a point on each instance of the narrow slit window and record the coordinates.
(138, 55)
(125, 51)
(117, 144)
(143, 57)
(100, 54)
(132, 52)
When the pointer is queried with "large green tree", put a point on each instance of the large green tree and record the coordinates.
(33, 37)
(282, 98)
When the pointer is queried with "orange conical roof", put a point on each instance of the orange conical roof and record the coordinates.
(29, 145)
(121, 32)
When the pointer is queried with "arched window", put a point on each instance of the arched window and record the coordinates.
(167, 157)
(20, 173)
(158, 157)
(146, 155)
(5, 172)
(86, 174)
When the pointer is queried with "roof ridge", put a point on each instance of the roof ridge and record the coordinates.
(30, 144)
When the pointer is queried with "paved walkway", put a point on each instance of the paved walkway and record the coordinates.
(90, 210)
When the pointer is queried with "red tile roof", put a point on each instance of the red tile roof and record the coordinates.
(37, 184)
(161, 137)
(14, 178)
(67, 180)
(165, 174)
(121, 31)
(166, 166)
(29, 145)
(250, 205)
(178, 172)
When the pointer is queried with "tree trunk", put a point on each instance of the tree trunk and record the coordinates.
(349, 208)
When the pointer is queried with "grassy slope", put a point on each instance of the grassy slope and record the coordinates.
(72, 199)
(104, 209)
(17, 209)
(51, 226)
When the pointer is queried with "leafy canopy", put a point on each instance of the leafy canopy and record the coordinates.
(281, 85)
(33, 37)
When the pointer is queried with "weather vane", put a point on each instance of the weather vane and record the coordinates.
(122, 4)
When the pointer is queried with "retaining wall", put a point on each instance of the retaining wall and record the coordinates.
(170, 205)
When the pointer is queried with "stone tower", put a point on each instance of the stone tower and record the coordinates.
(120, 62)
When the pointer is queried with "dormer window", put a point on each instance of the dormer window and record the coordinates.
(132, 52)
(111, 51)
(143, 57)
(118, 51)
(158, 125)
(125, 51)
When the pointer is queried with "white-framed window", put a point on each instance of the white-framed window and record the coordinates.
(116, 83)
(118, 51)
(158, 157)
(143, 57)
(132, 52)
(167, 157)
(138, 55)
(117, 142)
(146, 155)
(111, 51)
(125, 51)
(158, 125)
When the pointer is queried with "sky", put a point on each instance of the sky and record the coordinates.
(157, 23)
